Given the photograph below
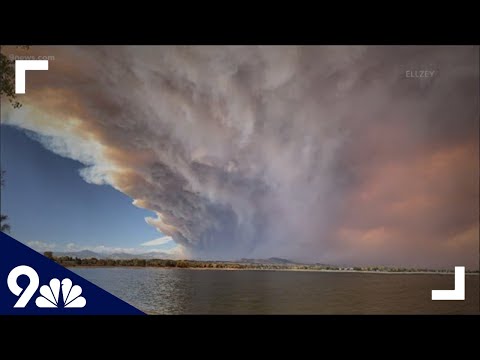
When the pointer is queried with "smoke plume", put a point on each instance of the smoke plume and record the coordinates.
(326, 154)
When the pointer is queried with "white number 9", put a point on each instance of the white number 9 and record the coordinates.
(29, 290)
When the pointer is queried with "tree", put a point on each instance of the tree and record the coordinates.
(3, 218)
(3, 226)
(48, 254)
(7, 78)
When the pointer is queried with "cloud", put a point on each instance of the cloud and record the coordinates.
(325, 154)
(174, 252)
(157, 242)
(42, 246)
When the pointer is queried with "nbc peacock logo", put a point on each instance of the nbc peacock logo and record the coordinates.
(32, 284)
(50, 295)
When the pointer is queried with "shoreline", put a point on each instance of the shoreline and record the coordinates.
(293, 270)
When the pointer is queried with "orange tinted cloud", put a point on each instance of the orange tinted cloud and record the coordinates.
(428, 202)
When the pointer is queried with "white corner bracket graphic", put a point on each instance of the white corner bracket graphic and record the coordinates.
(23, 65)
(458, 293)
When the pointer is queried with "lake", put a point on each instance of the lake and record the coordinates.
(190, 291)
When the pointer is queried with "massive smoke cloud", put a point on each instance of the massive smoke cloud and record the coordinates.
(326, 154)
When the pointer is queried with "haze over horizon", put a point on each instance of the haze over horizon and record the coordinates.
(327, 154)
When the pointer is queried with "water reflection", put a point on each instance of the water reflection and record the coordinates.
(185, 291)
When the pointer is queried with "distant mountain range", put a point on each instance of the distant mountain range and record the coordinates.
(272, 260)
(87, 254)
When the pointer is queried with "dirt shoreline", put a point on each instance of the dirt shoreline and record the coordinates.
(298, 270)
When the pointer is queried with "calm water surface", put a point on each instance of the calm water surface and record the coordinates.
(187, 291)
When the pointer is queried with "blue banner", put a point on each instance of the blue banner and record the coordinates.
(32, 284)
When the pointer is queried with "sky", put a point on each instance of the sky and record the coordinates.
(334, 154)
(51, 208)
